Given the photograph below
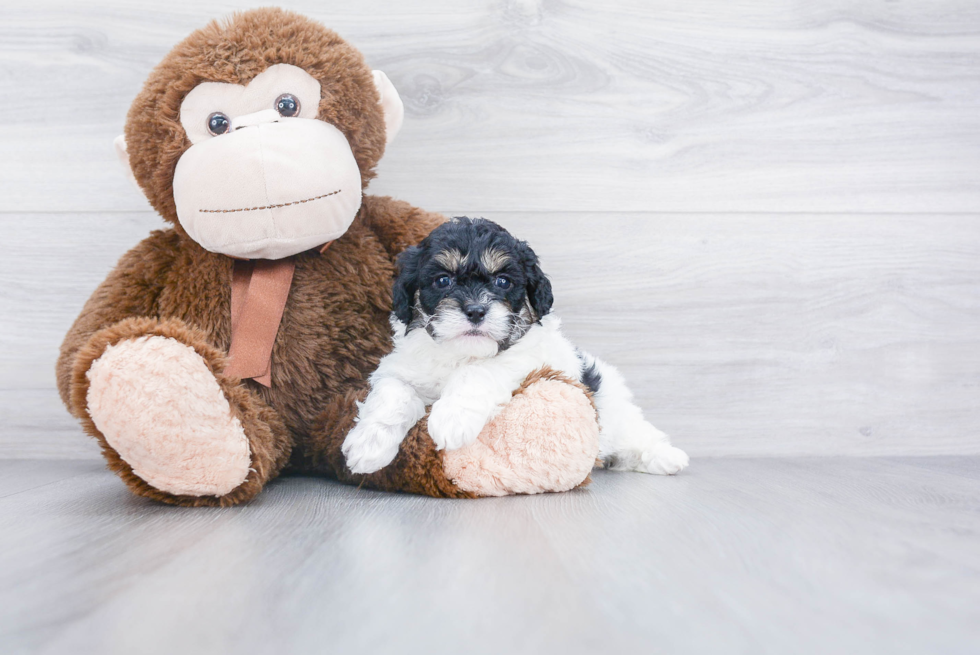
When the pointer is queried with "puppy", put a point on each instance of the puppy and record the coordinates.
(471, 320)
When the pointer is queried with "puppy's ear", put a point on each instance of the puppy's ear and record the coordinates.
(406, 284)
(538, 286)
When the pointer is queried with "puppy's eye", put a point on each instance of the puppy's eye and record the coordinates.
(287, 105)
(503, 283)
(442, 282)
(218, 123)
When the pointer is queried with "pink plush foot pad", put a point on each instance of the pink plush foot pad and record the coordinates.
(159, 406)
(545, 439)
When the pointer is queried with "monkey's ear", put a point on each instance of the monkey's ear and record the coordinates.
(406, 284)
(391, 104)
(119, 143)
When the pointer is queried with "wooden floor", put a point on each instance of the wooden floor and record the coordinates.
(793, 555)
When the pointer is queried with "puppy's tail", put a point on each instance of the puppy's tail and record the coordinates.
(589, 373)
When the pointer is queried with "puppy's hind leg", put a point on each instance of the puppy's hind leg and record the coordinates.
(627, 442)
(385, 417)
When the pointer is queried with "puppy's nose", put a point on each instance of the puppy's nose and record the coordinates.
(475, 312)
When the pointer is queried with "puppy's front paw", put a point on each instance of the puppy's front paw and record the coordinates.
(664, 459)
(453, 425)
(370, 447)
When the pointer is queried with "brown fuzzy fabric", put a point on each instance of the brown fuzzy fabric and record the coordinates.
(416, 469)
(235, 51)
(334, 329)
(548, 373)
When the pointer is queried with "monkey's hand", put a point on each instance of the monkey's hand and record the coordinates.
(545, 438)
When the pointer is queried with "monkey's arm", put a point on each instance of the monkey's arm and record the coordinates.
(397, 224)
(130, 290)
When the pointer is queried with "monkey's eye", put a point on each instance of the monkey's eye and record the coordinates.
(287, 105)
(503, 283)
(442, 282)
(218, 123)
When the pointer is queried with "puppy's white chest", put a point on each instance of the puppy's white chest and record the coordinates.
(431, 387)
(430, 390)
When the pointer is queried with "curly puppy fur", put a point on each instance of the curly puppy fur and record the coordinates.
(472, 320)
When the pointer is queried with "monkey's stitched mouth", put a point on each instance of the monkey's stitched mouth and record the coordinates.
(253, 209)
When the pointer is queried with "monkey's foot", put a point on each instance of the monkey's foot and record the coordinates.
(160, 407)
(545, 439)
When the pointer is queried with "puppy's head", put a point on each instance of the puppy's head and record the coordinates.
(470, 279)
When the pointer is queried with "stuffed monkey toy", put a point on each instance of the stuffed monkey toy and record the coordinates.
(235, 344)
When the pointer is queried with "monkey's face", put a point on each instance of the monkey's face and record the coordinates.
(257, 135)
(264, 177)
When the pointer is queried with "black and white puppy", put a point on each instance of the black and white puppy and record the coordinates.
(471, 320)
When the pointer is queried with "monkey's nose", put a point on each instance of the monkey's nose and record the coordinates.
(475, 312)
(255, 118)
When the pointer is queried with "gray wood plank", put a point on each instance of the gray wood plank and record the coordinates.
(754, 334)
(515, 106)
(734, 555)
(21, 475)
(740, 334)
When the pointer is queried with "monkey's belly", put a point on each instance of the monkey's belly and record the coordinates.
(333, 333)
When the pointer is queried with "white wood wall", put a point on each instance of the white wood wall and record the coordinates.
(766, 212)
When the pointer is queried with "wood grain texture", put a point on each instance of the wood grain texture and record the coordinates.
(740, 334)
(827, 555)
(641, 105)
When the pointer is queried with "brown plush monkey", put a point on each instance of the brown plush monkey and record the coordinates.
(235, 343)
